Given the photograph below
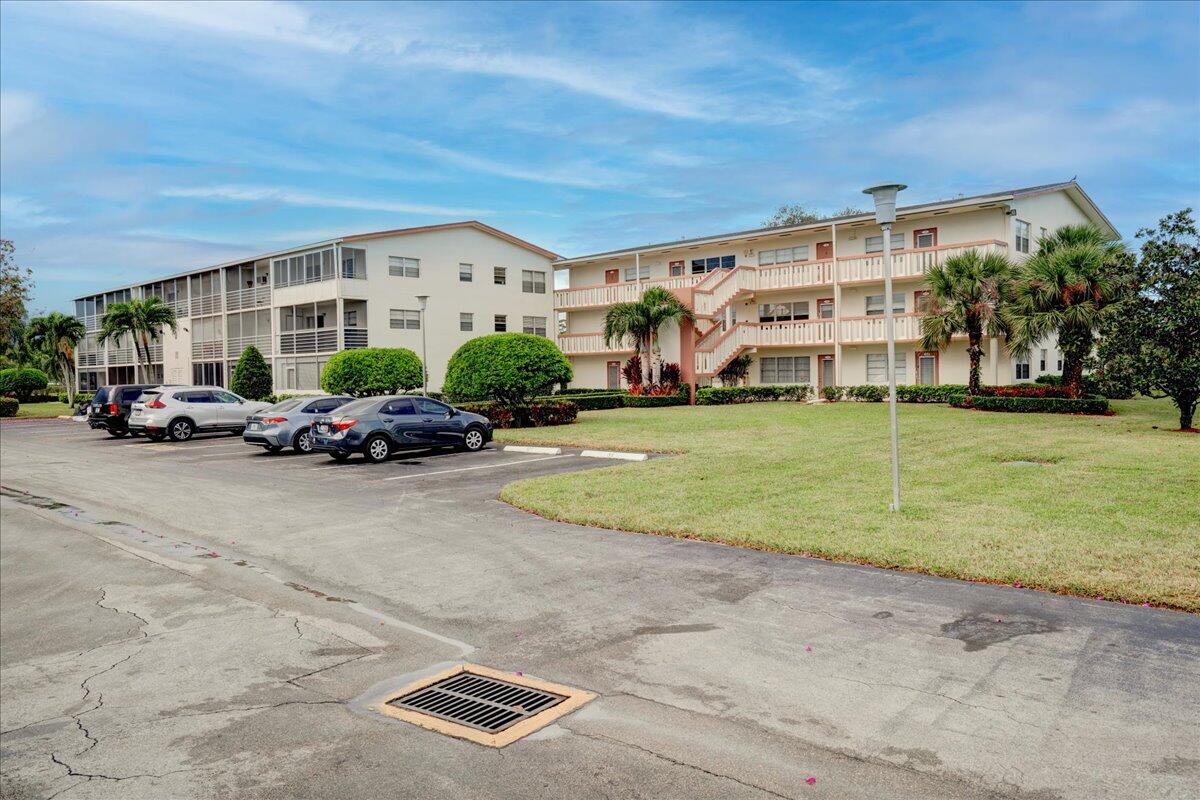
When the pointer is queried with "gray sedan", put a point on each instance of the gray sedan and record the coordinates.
(286, 424)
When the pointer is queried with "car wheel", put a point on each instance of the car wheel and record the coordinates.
(473, 440)
(273, 448)
(303, 442)
(117, 434)
(181, 430)
(377, 450)
(339, 456)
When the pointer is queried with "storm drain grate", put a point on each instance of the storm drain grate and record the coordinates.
(483, 705)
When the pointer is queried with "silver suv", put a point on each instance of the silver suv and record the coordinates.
(183, 411)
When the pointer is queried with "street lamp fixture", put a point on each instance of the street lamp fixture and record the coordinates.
(885, 214)
(422, 300)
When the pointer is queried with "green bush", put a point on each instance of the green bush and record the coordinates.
(714, 396)
(575, 391)
(831, 393)
(23, 382)
(592, 402)
(654, 400)
(866, 392)
(1039, 405)
(513, 368)
(80, 397)
(372, 371)
(537, 414)
(928, 394)
(9, 406)
(251, 375)
(1092, 383)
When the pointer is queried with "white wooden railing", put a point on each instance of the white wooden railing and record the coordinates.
(251, 297)
(120, 355)
(711, 358)
(239, 343)
(208, 350)
(353, 338)
(580, 343)
(907, 263)
(155, 353)
(206, 304)
(610, 293)
(89, 359)
(874, 329)
(319, 340)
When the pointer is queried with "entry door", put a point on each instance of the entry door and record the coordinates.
(614, 375)
(824, 251)
(825, 375)
(612, 276)
(927, 369)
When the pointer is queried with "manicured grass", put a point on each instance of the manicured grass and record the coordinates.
(1112, 509)
(41, 410)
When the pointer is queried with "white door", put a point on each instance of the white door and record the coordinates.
(231, 410)
(201, 406)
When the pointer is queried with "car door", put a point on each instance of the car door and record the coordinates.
(231, 409)
(400, 420)
(200, 406)
(438, 424)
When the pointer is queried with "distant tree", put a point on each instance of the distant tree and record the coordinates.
(967, 294)
(850, 211)
(251, 375)
(16, 284)
(1151, 340)
(786, 216)
(1062, 290)
(57, 334)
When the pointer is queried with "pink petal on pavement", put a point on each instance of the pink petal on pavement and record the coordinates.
(810, 780)
(808, 649)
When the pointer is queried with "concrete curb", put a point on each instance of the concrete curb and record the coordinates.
(528, 448)
(614, 454)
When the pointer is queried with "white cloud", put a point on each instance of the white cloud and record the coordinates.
(17, 211)
(17, 109)
(296, 197)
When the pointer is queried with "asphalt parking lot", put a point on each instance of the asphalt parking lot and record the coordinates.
(205, 620)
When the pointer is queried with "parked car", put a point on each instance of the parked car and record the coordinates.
(183, 411)
(109, 407)
(379, 426)
(287, 423)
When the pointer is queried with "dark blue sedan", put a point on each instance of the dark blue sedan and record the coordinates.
(379, 426)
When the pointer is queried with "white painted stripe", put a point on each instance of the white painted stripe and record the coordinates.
(467, 469)
(527, 448)
(614, 454)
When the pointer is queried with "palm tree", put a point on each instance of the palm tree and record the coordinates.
(967, 292)
(638, 322)
(56, 334)
(1063, 290)
(141, 320)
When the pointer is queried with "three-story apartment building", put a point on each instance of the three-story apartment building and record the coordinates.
(301, 305)
(807, 300)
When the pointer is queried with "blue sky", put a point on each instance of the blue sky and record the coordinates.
(143, 139)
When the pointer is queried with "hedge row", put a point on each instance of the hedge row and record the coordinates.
(588, 391)
(537, 414)
(1033, 405)
(655, 400)
(1024, 390)
(80, 397)
(877, 393)
(591, 402)
(723, 395)
(8, 406)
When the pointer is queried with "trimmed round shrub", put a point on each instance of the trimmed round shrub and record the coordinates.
(23, 382)
(8, 406)
(513, 368)
(252, 375)
(372, 371)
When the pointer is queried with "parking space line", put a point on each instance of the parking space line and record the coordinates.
(476, 455)
(467, 469)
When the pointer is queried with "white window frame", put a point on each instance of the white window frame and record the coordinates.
(898, 304)
(533, 281)
(500, 323)
(1021, 231)
(534, 325)
(1021, 371)
(876, 366)
(404, 319)
(466, 272)
(783, 255)
(631, 273)
(500, 276)
(466, 321)
(874, 244)
(404, 267)
(785, 370)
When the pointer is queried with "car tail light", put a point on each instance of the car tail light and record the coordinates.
(113, 409)
(156, 403)
(274, 420)
(343, 424)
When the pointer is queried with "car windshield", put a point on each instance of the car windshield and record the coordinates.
(285, 405)
(358, 406)
(101, 395)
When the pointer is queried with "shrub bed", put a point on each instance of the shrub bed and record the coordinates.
(575, 391)
(654, 400)
(80, 397)
(591, 402)
(9, 406)
(724, 395)
(1024, 390)
(1033, 405)
(537, 414)
(928, 394)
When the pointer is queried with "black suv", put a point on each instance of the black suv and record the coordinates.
(109, 408)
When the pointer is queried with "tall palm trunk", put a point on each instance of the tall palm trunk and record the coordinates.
(1075, 347)
(68, 371)
(649, 366)
(975, 354)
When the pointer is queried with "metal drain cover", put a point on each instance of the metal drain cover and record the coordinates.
(483, 705)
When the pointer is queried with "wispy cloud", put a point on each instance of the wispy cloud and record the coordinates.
(236, 193)
(21, 212)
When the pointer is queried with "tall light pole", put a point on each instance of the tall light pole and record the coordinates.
(422, 299)
(885, 215)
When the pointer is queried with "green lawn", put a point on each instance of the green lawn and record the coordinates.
(1112, 509)
(51, 409)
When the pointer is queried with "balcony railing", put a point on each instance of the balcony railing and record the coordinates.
(319, 340)
(584, 343)
(609, 293)
(353, 338)
(239, 343)
(156, 353)
(120, 356)
(208, 350)
(874, 329)
(89, 359)
(252, 297)
(206, 304)
(91, 322)
(715, 351)
(907, 263)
